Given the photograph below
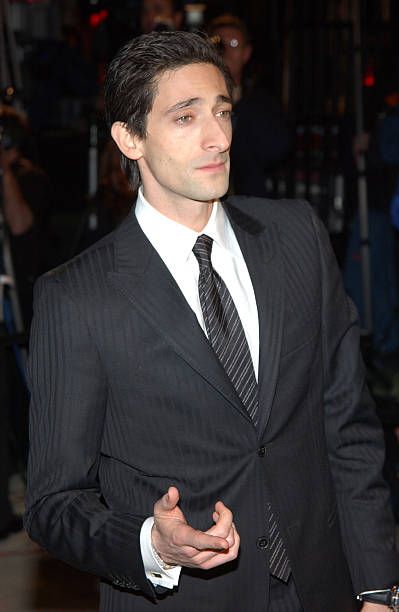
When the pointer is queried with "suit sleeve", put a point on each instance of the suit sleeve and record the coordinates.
(65, 512)
(354, 437)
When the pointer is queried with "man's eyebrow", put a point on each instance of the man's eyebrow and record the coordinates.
(192, 101)
(225, 99)
(183, 104)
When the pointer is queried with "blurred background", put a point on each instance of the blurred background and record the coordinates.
(316, 117)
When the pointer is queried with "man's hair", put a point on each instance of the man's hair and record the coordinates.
(132, 77)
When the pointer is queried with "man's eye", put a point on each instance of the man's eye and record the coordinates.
(184, 119)
(225, 114)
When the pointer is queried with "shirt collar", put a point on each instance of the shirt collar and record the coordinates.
(174, 242)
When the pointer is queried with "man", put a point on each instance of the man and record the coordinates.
(111, 202)
(160, 15)
(25, 200)
(259, 125)
(231, 35)
(203, 446)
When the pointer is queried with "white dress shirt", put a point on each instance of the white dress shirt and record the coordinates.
(174, 243)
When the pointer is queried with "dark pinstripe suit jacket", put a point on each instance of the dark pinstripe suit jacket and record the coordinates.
(128, 398)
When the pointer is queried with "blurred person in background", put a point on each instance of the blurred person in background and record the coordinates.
(27, 202)
(160, 15)
(26, 199)
(110, 204)
(262, 137)
(61, 82)
(381, 147)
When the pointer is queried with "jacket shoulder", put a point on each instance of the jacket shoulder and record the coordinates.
(289, 214)
(85, 273)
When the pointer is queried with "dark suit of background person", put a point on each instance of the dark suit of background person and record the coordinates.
(259, 127)
(262, 136)
(25, 201)
(144, 403)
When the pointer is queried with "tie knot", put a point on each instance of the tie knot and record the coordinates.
(202, 250)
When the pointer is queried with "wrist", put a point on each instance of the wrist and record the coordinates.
(163, 564)
(382, 599)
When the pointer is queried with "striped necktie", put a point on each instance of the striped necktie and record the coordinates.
(227, 338)
(224, 328)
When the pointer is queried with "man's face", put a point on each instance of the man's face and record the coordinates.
(154, 12)
(184, 157)
(236, 51)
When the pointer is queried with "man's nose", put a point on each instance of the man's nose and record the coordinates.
(216, 134)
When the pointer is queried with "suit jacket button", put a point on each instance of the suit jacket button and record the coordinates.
(261, 451)
(261, 543)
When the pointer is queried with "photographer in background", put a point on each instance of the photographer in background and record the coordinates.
(160, 15)
(25, 199)
(26, 202)
(262, 137)
(110, 204)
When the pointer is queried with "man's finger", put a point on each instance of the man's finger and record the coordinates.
(207, 559)
(223, 518)
(168, 501)
(222, 558)
(187, 536)
(229, 537)
(224, 513)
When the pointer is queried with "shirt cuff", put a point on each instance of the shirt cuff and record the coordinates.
(153, 570)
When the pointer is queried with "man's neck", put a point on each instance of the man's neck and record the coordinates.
(194, 215)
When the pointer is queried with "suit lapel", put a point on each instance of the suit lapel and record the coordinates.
(260, 248)
(142, 277)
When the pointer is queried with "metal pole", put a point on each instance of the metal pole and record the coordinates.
(93, 160)
(361, 170)
(4, 71)
(14, 64)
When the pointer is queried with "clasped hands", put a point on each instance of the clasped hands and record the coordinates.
(179, 544)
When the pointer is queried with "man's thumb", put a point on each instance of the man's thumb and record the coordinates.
(171, 498)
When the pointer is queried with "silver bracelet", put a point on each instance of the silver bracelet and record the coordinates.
(165, 566)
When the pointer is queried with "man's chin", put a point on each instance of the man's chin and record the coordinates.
(214, 192)
(214, 197)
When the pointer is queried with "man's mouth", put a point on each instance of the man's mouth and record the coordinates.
(213, 166)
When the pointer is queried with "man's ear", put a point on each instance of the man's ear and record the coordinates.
(127, 142)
